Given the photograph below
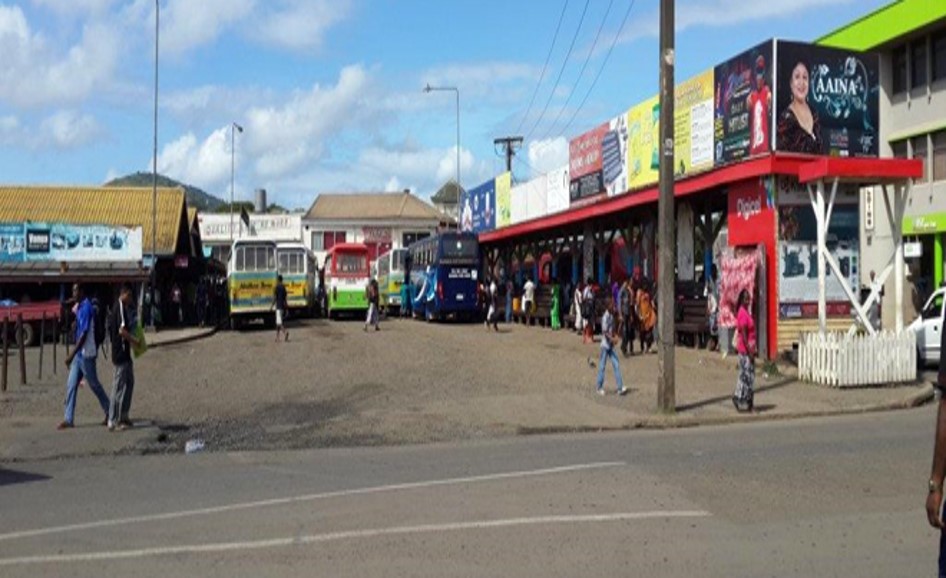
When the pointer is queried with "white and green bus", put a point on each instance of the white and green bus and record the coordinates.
(346, 273)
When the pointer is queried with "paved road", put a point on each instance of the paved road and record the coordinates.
(830, 497)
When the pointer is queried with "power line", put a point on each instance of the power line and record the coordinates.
(548, 57)
(582, 71)
(591, 88)
(562, 70)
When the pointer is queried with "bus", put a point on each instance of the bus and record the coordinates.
(443, 270)
(251, 280)
(346, 273)
(391, 277)
(296, 264)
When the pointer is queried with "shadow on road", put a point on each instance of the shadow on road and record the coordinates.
(722, 398)
(11, 477)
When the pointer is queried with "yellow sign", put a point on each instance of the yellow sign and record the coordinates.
(643, 158)
(504, 200)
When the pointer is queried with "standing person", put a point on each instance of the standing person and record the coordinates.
(646, 316)
(528, 298)
(509, 291)
(372, 291)
(712, 309)
(177, 303)
(280, 304)
(588, 311)
(576, 307)
(745, 346)
(81, 362)
(123, 386)
(608, 339)
(492, 315)
(556, 306)
(934, 500)
(626, 313)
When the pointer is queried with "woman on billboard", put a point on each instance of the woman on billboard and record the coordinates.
(798, 128)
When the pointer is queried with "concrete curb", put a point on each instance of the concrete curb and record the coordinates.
(193, 337)
(658, 422)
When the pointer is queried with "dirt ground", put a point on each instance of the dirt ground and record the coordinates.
(333, 384)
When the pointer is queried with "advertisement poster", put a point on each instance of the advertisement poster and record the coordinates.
(743, 104)
(585, 163)
(478, 212)
(798, 271)
(60, 242)
(693, 124)
(643, 158)
(614, 156)
(556, 190)
(503, 200)
(828, 101)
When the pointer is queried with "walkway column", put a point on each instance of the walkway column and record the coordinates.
(822, 243)
(588, 253)
(898, 259)
(575, 276)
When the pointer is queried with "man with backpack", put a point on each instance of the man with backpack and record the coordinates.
(81, 362)
(123, 386)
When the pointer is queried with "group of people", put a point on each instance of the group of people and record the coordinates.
(81, 361)
(634, 309)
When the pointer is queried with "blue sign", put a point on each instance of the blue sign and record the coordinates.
(25, 242)
(478, 208)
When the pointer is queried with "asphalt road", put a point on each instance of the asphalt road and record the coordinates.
(830, 497)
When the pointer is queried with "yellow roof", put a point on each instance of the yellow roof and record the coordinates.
(117, 206)
(191, 217)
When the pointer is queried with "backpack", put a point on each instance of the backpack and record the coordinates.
(100, 315)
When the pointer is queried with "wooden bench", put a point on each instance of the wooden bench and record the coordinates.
(542, 313)
(692, 323)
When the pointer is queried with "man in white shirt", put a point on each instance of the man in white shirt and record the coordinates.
(528, 298)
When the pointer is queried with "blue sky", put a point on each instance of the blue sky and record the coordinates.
(329, 91)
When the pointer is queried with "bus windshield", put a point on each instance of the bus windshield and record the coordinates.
(292, 262)
(397, 258)
(460, 248)
(351, 263)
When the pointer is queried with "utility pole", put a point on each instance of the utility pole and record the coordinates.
(666, 383)
(510, 144)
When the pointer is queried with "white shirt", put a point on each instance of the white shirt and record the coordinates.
(528, 291)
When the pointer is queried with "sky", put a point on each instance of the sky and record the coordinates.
(329, 92)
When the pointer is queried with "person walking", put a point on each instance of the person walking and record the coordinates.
(81, 361)
(556, 312)
(492, 297)
(746, 348)
(576, 308)
(626, 313)
(372, 292)
(509, 292)
(281, 305)
(934, 500)
(123, 385)
(609, 338)
(528, 299)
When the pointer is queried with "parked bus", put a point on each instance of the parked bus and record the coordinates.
(251, 280)
(391, 277)
(443, 270)
(297, 266)
(346, 274)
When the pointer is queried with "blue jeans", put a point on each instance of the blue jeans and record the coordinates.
(82, 367)
(605, 355)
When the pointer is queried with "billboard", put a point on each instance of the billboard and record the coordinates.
(585, 164)
(503, 200)
(478, 213)
(693, 124)
(557, 189)
(58, 242)
(743, 104)
(643, 156)
(827, 101)
(614, 156)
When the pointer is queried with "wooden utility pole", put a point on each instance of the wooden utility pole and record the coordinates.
(509, 144)
(666, 382)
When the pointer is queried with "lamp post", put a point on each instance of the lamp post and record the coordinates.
(429, 89)
(234, 127)
(154, 165)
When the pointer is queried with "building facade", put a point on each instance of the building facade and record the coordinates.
(215, 230)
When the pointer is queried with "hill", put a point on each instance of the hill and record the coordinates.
(198, 198)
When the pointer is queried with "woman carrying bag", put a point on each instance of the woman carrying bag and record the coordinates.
(746, 347)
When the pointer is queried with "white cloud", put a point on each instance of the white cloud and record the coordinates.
(68, 129)
(205, 164)
(187, 24)
(72, 7)
(394, 184)
(549, 154)
(301, 24)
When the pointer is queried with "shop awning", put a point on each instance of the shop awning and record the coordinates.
(865, 171)
(89, 272)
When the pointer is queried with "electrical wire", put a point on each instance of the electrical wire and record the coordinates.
(548, 57)
(561, 70)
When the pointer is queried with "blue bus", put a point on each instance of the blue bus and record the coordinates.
(443, 273)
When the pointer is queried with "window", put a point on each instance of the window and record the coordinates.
(332, 238)
(938, 42)
(317, 244)
(460, 248)
(899, 69)
(408, 239)
(920, 152)
(351, 263)
(918, 64)
(939, 156)
(240, 259)
(899, 149)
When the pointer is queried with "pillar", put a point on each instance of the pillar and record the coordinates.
(822, 242)
(588, 253)
(601, 273)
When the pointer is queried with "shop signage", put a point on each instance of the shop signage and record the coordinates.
(743, 104)
(810, 310)
(868, 209)
(931, 223)
(614, 156)
(585, 164)
(216, 227)
(61, 242)
(377, 234)
(913, 250)
(478, 213)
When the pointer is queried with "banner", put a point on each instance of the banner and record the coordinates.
(556, 190)
(693, 124)
(503, 200)
(798, 271)
(743, 111)
(215, 227)
(585, 164)
(60, 242)
(477, 214)
(828, 101)
(614, 156)
(643, 156)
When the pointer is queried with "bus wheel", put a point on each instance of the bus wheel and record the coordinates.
(28, 337)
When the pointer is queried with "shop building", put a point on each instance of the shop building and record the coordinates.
(219, 230)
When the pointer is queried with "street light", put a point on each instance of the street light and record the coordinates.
(154, 164)
(429, 89)
(234, 127)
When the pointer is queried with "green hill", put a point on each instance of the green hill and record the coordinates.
(198, 198)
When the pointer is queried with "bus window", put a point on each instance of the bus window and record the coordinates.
(249, 256)
(348, 263)
(398, 264)
(284, 263)
(240, 259)
(460, 248)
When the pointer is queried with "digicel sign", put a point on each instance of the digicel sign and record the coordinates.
(751, 220)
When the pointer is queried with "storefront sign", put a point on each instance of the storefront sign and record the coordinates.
(585, 164)
(792, 193)
(931, 223)
(478, 212)
(743, 104)
(868, 197)
(750, 211)
(62, 242)
(810, 310)
(377, 234)
(216, 227)
(838, 89)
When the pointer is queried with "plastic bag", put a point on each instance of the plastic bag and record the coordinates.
(142, 347)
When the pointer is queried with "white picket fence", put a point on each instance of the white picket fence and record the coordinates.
(839, 360)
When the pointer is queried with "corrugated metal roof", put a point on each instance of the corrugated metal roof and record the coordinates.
(117, 206)
(371, 207)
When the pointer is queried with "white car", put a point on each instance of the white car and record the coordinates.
(929, 327)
